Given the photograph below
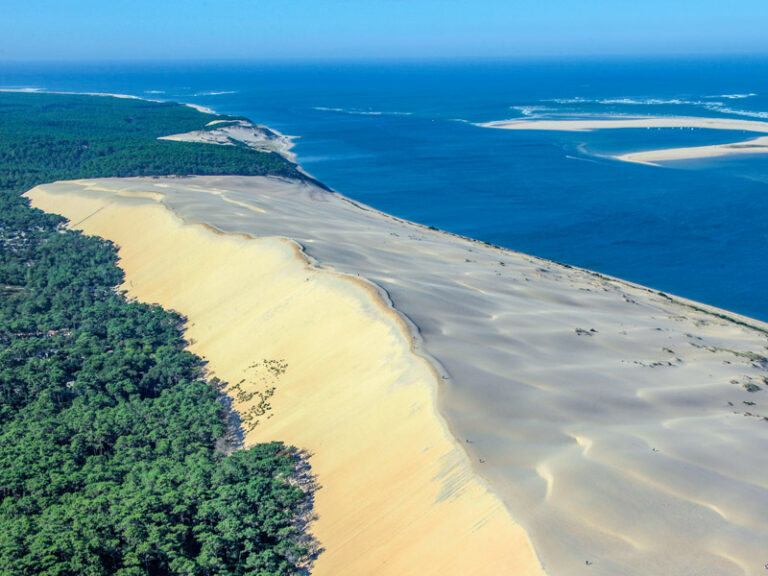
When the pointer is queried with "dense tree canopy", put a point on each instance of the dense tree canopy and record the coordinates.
(113, 456)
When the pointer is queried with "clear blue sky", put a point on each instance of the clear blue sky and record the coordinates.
(311, 29)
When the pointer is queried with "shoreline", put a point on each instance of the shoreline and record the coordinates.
(748, 321)
(505, 322)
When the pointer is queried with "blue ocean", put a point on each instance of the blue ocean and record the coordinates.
(402, 137)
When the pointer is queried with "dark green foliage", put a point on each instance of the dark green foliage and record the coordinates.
(108, 431)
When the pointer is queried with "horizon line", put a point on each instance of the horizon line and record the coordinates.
(450, 59)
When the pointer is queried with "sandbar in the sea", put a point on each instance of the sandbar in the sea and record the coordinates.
(647, 122)
(653, 157)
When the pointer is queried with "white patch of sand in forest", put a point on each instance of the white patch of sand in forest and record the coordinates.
(234, 132)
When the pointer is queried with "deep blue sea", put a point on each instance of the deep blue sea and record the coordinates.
(401, 137)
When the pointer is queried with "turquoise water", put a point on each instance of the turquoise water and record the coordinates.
(401, 137)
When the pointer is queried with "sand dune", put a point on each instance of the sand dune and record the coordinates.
(639, 122)
(615, 423)
(651, 157)
(397, 494)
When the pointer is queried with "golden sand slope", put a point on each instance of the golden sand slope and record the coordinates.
(397, 495)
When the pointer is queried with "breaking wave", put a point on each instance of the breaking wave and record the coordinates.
(709, 104)
(357, 112)
(727, 110)
(734, 96)
(213, 93)
(628, 101)
(531, 110)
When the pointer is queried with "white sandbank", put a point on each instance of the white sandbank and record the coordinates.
(614, 422)
(639, 122)
(652, 157)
